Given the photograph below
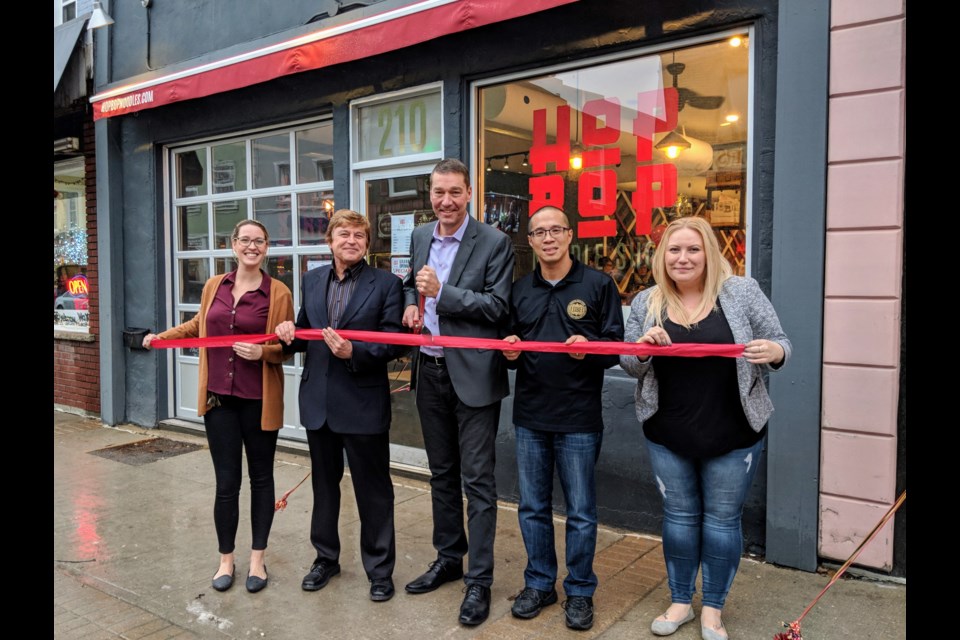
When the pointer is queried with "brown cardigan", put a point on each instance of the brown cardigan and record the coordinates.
(280, 309)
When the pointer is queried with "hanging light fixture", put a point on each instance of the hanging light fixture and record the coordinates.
(506, 163)
(672, 144)
(98, 18)
(489, 167)
(576, 157)
(576, 150)
(526, 160)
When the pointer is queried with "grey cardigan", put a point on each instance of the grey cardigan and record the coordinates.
(750, 316)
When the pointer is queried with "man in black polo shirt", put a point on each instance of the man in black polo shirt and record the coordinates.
(557, 413)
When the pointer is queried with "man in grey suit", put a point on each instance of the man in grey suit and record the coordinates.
(462, 269)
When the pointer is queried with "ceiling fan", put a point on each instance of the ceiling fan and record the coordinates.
(688, 96)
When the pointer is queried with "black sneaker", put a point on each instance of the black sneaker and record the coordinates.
(530, 601)
(579, 612)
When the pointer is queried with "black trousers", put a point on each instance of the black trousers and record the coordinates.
(369, 460)
(231, 428)
(461, 448)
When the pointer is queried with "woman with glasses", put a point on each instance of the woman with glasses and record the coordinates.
(704, 419)
(241, 394)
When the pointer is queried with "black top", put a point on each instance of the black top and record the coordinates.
(699, 414)
(555, 392)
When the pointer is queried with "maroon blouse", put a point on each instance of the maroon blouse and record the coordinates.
(227, 373)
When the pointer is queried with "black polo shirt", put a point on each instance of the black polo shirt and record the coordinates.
(555, 392)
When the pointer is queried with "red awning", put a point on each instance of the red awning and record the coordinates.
(388, 31)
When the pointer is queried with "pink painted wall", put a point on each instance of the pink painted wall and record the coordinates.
(864, 261)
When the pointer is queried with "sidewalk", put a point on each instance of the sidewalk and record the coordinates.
(135, 549)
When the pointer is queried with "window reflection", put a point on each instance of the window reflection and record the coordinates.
(230, 167)
(623, 148)
(271, 161)
(194, 273)
(315, 154)
(194, 227)
(70, 285)
(191, 173)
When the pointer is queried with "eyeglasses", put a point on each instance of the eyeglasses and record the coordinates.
(555, 232)
(246, 242)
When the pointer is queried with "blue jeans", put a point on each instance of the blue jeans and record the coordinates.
(575, 457)
(702, 505)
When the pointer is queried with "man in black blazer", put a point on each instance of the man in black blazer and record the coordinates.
(462, 269)
(345, 400)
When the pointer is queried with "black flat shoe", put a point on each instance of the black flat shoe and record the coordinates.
(440, 572)
(224, 582)
(255, 583)
(381, 589)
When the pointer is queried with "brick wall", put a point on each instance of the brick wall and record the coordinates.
(76, 363)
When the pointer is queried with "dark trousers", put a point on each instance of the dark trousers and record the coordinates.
(232, 427)
(461, 447)
(369, 460)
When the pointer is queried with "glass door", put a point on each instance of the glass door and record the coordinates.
(395, 201)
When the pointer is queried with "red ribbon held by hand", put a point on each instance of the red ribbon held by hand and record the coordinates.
(687, 350)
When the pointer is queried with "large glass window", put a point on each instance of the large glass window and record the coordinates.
(623, 147)
(70, 286)
(218, 184)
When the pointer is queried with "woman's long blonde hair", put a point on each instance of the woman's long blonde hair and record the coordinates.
(665, 297)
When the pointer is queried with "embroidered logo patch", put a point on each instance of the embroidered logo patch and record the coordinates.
(577, 309)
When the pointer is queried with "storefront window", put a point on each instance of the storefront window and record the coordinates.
(70, 286)
(249, 178)
(623, 147)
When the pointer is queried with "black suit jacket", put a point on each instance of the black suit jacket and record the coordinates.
(351, 396)
(474, 302)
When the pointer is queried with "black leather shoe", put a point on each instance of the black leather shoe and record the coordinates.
(256, 583)
(530, 601)
(440, 572)
(381, 589)
(476, 605)
(579, 612)
(224, 582)
(319, 576)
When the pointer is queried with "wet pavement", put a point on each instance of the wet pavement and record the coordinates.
(135, 550)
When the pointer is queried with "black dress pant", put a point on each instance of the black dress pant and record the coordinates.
(369, 460)
(461, 448)
(232, 427)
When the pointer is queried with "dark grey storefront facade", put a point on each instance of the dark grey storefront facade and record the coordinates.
(790, 42)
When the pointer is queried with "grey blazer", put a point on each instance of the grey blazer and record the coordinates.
(750, 315)
(475, 303)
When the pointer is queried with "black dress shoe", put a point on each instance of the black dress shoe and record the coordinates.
(320, 574)
(530, 601)
(256, 583)
(381, 589)
(579, 612)
(476, 605)
(440, 572)
(224, 582)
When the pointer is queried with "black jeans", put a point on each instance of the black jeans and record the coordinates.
(231, 427)
(461, 447)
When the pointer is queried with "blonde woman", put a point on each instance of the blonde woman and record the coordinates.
(704, 419)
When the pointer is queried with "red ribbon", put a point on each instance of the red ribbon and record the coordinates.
(688, 350)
